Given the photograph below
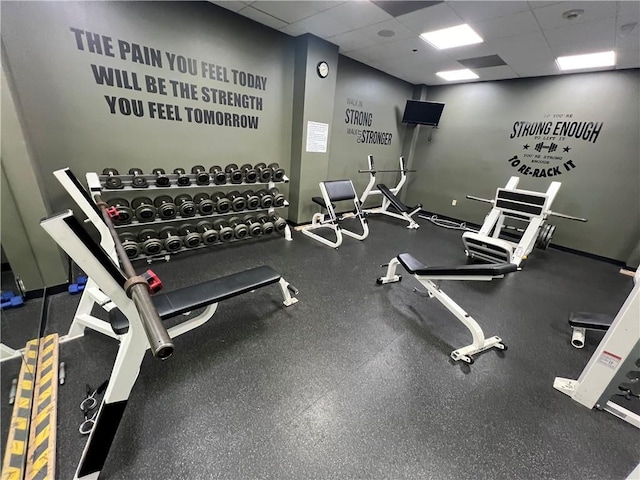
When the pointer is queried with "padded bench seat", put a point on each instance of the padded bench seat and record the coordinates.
(198, 296)
(320, 201)
(591, 321)
(415, 267)
(397, 204)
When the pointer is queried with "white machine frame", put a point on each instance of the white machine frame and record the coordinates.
(617, 354)
(480, 342)
(510, 202)
(330, 220)
(109, 279)
(384, 209)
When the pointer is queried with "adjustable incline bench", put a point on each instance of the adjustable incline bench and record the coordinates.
(335, 191)
(400, 210)
(425, 275)
(136, 335)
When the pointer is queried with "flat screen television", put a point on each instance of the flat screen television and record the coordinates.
(423, 113)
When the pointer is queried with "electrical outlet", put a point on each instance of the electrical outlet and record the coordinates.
(454, 202)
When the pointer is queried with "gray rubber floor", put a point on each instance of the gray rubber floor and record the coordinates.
(355, 380)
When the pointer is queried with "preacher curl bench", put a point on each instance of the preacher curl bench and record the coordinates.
(131, 320)
(425, 275)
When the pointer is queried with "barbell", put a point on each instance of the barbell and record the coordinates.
(548, 212)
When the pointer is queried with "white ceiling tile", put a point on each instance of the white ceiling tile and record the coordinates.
(470, 51)
(431, 18)
(322, 25)
(234, 6)
(526, 54)
(539, 4)
(352, 41)
(629, 9)
(294, 29)
(401, 48)
(262, 17)
(628, 40)
(582, 38)
(358, 14)
(288, 12)
(551, 16)
(392, 24)
(475, 11)
(517, 24)
(628, 59)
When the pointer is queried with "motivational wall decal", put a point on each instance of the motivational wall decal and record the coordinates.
(356, 117)
(215, 85)
(548, 143)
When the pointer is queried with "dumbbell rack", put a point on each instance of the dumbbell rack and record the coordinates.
(96, 183)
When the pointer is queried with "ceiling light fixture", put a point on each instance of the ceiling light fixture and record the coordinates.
(589, 60)
(452, 37)
(453, 75)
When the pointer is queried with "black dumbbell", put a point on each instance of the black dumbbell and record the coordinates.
(144, 209)
(225, 232)
(264, 173)
(172, 241)
(277, 173)
(130, 245)
(209, 234)
(151, 244)
(166, 208)
(235, 174)
(267, 225)
(161, 178)
(266, 200)
(202, 177)
(204, 203)
(186, 206)
(125, 214)
(240, 230)
(113, 182)
(138, 180)
(238, 202)
(253, 201)
(250, 173)
(219, 176)
(191, 236)
(255, 228)
(183, 179)
(278, 198)
(222, 203)
(279, 223)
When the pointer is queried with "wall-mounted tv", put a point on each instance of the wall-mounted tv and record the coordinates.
(423, 113)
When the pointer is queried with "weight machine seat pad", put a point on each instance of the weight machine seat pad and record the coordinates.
(338, 190)
(415, 267)
(320, 201)
(397, 204)
(198, 296)
(592, 321)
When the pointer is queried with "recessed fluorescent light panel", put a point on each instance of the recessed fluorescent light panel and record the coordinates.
(453, 75)
(452, 37)
(590, 60)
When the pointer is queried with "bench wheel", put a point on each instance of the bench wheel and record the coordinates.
(502, 346)
(467, 359)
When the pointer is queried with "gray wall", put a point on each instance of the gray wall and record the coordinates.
(366, 100)
(69, 121)
(468, 154)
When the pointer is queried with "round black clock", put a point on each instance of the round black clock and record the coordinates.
(323, 69)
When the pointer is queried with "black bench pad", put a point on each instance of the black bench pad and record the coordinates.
(415, 267)
(593, 321)
(320, 201)
(397, 204)
(197, 296)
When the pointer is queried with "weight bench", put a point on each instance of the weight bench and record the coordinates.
(198, 296)
(69, 234)
(425, 275)
(402, 210)
(580, 322)
(335, 191)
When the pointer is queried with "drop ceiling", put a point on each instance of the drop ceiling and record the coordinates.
(521, 39)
